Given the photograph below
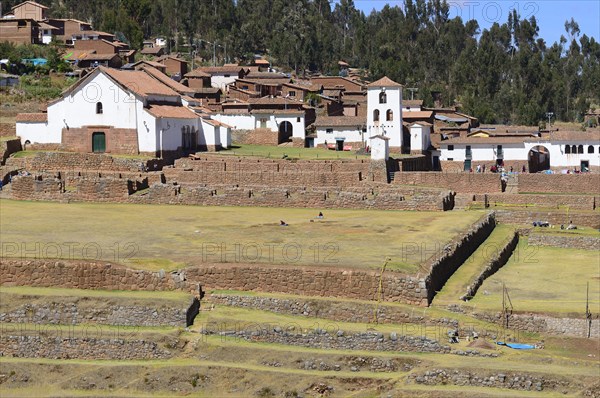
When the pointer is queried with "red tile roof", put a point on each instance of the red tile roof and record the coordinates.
(385, 82)
(340, 121)
(169, 111)
(139, 82)
(32, 118)
(180, 88)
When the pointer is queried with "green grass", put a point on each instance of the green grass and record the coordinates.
(163, 236)
(88, 293)
(458, 283)
(276, 152)
(544, 279)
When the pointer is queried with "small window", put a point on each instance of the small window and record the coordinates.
(298, 119)
(580, 149)
(382, 97)
(450, 147)
(329, 131)
(227, 75)
(376, 115)
(499, 148)
(573, 148)
(364, 130)
(292, 93)
(99, 108)
(591, 149)
(450, 159)
(567, 149)
(389, 115)
(245, 87)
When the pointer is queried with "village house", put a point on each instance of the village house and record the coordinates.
(119, 111)
(66, 28)
(175, 66)
(555, 150)
(20, 31)
(223, 76)
(340, 133)
(153, 51)
(30, 10)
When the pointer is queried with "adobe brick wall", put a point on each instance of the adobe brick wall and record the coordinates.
(257, 136)
(579, 202)
(562, 183)
(117, 140)
(100, 46)
(459, 182)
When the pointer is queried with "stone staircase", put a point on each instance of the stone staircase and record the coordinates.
(512, 185)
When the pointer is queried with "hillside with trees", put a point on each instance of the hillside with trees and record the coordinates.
(504, 74)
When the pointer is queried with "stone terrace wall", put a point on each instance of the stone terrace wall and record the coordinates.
(459, 182)
(50, 161)
(563, 183)
(312, 281)
(527, 217)
(565, 241)
(578, 202)
(63, 313)
(544, 324)
(40, 187)
(326, 198)
(83, 275)
(79, 348)
(455, 254)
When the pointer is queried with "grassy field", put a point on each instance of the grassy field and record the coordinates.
(545, 279)
(167, 237)
(277, 152)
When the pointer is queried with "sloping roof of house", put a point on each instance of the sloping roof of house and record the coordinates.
(197, 73)
(170, 111)
(266, 75)
(165, 57)
(154, 64)
(32, 117)
(417, 115)
(384, 82)
(151, 50)
(180, 88)
(33, 3)
(139, 82)
(47, 26)
(273, 101)
(340, 121)
(592, 135)
(214, 122)
(215, 70)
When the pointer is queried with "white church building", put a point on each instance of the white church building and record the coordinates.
(117, 111)
(384, 111)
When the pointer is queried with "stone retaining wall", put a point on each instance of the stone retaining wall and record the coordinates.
(510, 380)
(334, 339)
(334, 310)
(495, 263)
(9, 147)
(442, 267)
(459, 182)
(527, 217)
(575, 202)
(72, 314)
(79, 348)
(545, 324)
(565, 241)
(564, 183)
(50, 161)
